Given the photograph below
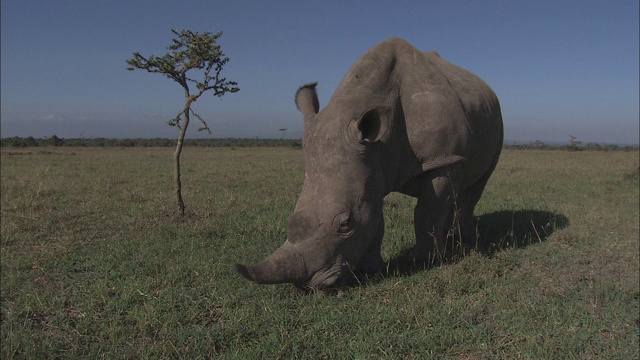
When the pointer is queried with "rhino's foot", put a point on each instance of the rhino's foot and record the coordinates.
(426, 256)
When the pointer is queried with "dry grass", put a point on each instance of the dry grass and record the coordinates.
(93, 264)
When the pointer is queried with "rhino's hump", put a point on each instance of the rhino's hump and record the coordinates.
(448, 112)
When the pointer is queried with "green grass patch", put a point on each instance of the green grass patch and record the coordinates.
(94, 264)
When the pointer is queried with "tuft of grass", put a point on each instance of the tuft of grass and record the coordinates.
(94, 265)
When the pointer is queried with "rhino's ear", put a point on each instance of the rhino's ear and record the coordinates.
(307, 100)
(372, 126)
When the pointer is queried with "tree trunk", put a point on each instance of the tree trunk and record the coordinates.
(176, 158)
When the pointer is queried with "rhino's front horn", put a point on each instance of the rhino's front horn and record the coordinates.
(285, 265)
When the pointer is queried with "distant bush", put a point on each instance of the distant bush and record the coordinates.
(19, 142)
(538, 145)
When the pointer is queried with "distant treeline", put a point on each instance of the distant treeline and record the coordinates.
(256, 142)
(155, 142)
(571, 146)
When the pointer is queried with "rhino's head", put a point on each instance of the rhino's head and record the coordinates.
(340, 208)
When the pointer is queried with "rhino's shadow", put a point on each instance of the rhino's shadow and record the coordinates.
(496, 231)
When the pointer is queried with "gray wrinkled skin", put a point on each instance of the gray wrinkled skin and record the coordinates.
(401, 120)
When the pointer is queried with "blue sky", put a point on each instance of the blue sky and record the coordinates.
(558, 67)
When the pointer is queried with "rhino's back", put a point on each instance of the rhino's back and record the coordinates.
(451, 115)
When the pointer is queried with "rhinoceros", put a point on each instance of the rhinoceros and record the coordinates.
(400, 120)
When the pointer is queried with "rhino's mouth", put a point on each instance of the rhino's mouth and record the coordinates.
(328, 277)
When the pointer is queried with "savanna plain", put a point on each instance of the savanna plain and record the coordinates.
(94, 263)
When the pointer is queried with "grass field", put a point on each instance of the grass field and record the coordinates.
(94, 265)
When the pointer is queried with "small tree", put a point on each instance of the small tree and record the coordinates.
(195, 52)
(574, 144)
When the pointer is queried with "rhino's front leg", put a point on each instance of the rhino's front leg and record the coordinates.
(430, 216)
(429, 231)
(371, 261)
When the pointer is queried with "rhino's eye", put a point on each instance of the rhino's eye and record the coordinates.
(343, 223)
(345, 226)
